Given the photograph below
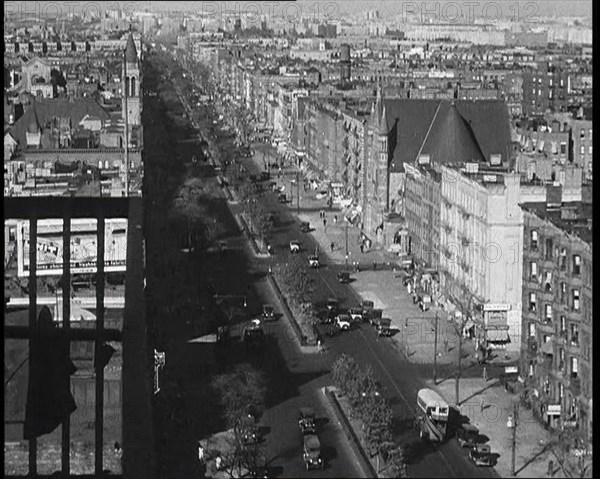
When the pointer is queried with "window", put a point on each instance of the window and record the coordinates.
(574, 334)
(576, 264)
(563, 259)
(116, 163)
(582, 134)
(548, 248)
(532, 330)
(590, 133)
(533, 270)
(574, 367)
(532, 302)
(563, 292)
(561, 390)
(99, 164)
(563, 324)
(548, 282)
(589, 149)
(582, 150)
(563, 148)
(548, 313)
(534, 240)
(575, 297)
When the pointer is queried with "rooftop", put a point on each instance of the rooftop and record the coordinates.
(573, 218)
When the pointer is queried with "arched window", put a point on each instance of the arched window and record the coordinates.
(99, 164)
(126, 86)
(106, 164)
(132, 86)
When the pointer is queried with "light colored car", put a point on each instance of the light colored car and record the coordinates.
(343, 321)
(313, 261)
(295, 246)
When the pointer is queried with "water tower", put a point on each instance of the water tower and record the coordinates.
(345, 64)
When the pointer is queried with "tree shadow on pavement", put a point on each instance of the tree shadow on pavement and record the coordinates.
(477, 393)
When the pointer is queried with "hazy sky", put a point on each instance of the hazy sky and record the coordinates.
(541, 7)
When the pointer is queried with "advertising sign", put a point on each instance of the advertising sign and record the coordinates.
(84, 248)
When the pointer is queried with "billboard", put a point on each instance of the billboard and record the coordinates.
(84, 248)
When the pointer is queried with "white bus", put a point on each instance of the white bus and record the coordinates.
(432, 415)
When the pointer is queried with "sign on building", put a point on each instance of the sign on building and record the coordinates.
(84, 248)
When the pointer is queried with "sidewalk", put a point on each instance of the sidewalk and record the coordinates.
(531, 438)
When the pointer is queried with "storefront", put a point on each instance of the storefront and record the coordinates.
(553, 413)
(495, 326)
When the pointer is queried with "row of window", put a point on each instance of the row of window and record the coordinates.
(582, 150)
(549, 252)
(571, 333)
(575, 298)
(573, 362)
(547, 276)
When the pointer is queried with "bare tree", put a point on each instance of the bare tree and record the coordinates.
(465, 301)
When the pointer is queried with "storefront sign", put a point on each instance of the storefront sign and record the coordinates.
(496, 307)
(553, 410)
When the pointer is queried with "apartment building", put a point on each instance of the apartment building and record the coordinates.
(556, 345)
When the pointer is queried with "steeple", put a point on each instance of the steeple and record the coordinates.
(130, 50)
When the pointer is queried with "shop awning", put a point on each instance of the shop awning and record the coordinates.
(548, 347)
(497, 336)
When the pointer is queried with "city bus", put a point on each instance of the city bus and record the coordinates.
(432, 415)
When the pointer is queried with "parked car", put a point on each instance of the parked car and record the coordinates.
(282, 198)
(366, 306)
(312, 452)
(223, 246)
(333, 304)
(425, 302)
(373, 315)
(313, 261)
(248, 429)
(467, 435)
(343, 321)
(356, 314)
(481, 455)
(253, 331)
(268, 313)
(295, 246)
(343, 277)
(307, 421)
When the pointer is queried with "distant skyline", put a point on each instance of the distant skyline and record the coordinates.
(570, 8)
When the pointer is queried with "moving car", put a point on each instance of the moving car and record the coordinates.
(343, 321)
(344, 277)
(248, 429)
(307, 420)
(305, 226)
(253, 331)
(467, 435)
(312, 452)
(383, 326)
(268, 313)
(425, 302)
(313, 261)
(481, 455)
(295, 246)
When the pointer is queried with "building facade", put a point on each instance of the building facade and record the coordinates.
(556, 345)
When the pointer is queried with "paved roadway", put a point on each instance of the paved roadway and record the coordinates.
(173, 278)
(399, 378)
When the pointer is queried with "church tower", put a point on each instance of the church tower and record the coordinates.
(131, 82)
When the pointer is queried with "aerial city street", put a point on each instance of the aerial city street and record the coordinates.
(298, 239)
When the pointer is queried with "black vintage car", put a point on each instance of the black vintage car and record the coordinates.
(343, 277)
(467, 435)
(307, 420)
(305, 226)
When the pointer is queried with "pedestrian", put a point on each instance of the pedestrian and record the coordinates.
(484, 375)
(550, 467)
(445, 345)
(218, 462)
(482, 406)
(335, 219)
(374, 265)
(324, 223)
(200, 453)
(332, 246)
(362, 247)
(320, 345)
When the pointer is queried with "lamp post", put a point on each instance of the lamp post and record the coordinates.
(435, 341)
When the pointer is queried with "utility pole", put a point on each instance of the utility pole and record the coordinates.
(435, 349)
(346, 230)
(514, 437)
(297, 192)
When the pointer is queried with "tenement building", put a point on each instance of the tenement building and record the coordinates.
(557, 352)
